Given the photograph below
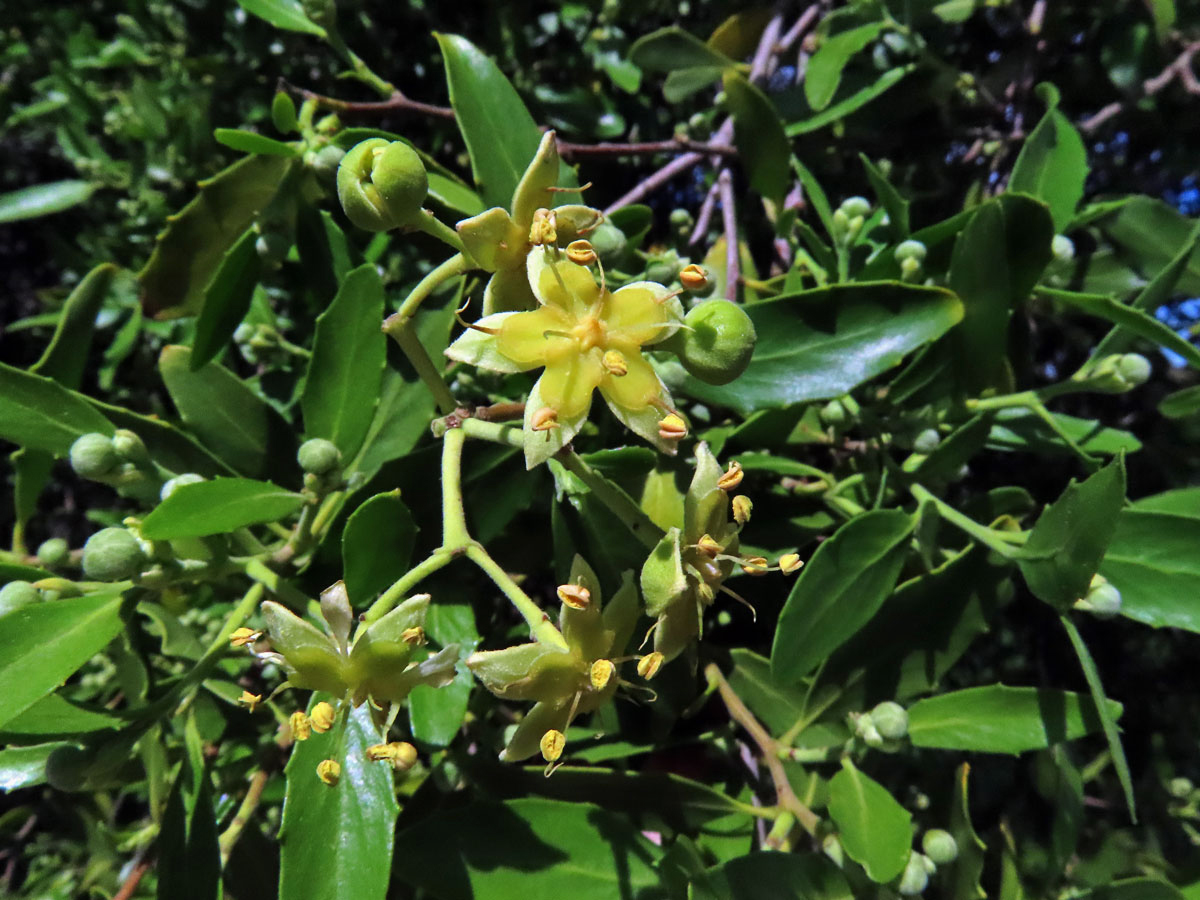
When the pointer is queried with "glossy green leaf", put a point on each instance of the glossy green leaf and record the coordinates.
(759, 136)
(336, 840)
(1134, 889)
(1152, 561)
(1152, 234)
(66, 355)
(671, 48)
(850, 104)
(238, 425)
(437, 714)
(455, 195)
(189, 857)
(1128, 318)
(55, 716)
(42, 645)
(1052, 164)
(41, 414)
(22, 767)
(527, 848)
(966, 869)
(822, 343)
(839, 590)
(773, 876)
(219, 507)
(777, 706)
(873, 828)
(1069, 539)
(349, 352)
(824, 72)
(190, 250)
(1181, 404)
(286, 14)
(168, 445)
(43, 199)
(226, 299)
(253, 142)
(377, 545)
(1023, 429)
(1001, 719)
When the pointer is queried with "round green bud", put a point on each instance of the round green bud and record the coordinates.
(716, 342)
(663, 269)
(382, 185)
(53, 552)
(855, 206)
(318, 456)
(699, 126)
(939, 846)
(910, 250)
(173, 484)
(1134, 368)
(834, 413)
(927, 441)
(130, 447)
(94, 456)
(608, 241)
(325, 161)
(1103, 600)
(16, 594)
(682, 219)
(1063, 248)
(916, 876)
(1180, 788)
(112, 554)
(890, 720)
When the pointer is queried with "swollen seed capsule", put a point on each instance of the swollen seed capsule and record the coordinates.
(53, 552)
(890, 720)
(93, 456)
(939, 846)
(300, 726)
(1134, 368)
(552, 744)
(575, 596)
(854, 207)
(329, 771)
(649, 665)
(382, 185)
(112, 554)
(1180, 788)
(321, 717)
(601, 673)
(17, 594)
(910, 250)
(318, 456)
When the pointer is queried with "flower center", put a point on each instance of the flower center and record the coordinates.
(590, 332)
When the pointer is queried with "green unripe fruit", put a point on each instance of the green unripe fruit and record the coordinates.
(1134, 368)
(916, 876)
(910, 250)
(112, 554)
(177, 482)
(663, 269)
(681, 218)
(94, 456)
(1180, 788)
(855, 206)
(1063, 248)
(16, 594)
(716, 342)
(53, 552)
(382, 185)
(130, 447)
(318, 456)
(939, 846)
(890, 719)
(325, 161)
(834, 413)
(927, 441)
(608, 241)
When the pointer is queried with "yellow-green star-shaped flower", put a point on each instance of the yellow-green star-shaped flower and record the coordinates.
(499, 241)
(585, 337)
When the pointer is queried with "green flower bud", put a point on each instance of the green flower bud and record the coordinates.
(283, 113)
(1063, 248)
(1134, 368)
(716, 342)
(915, 878)
(910, 270)
(325, 161)
(608, 241)
(663, 269)
(1119, 373)
(16, 594)
(890, 720)
(93, 456)
(854, 207)
(53, 552)
(112, 554)
(1102, 598)
(1180, 788)
(681, 219)
(382, 185)
(243, 333)
(927, 441)
(834, 413)
(130, 447)
(177, 482)
(910, 250)
(318, 456)
(939, 846)
(699, 126)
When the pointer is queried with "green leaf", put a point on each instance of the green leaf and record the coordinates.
(1022, 429)
(66, 355)
(218, 507)
(839, 590)
(1134, 889)
(55, 716)
(889, 198)
(1181, 404)
(855, 101)
(239, 426)
(1000, 719)
(41, 414)
(527, 848)
(192, 246)
(759, 136)
(673, 48)
(1129, 318)
(253, 142)
(336, 840)
(189, 856)
(822, 343)
(682, 83)
(772, 876)
(226, 299)
(1069, 539)
(777, 706)
(22, 767)
(43, 199)
(286, 14)
(44, 644)
(454, 195)
(168, 445)
(1052, 164)
(1163, 12)
(1153, 234)
(1152, 561)
(349, 353)
(824, 72)
(874, 829)
(437, 714)
(377, 545)
(966, 869)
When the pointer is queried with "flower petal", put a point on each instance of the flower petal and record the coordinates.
(526, 740)
(555, 280)
(482, 349)
(528, 672)
(568, 382)
(487, 235)
(541, 445)
(640, 314)
(532, 194)
(637, 388)
(644, 422)
(525, 339)
(584, 628)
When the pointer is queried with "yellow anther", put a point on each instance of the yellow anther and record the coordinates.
(601, 673)
(732, 477)
(329, 771)
(789, 563)
(321, 717)
(694, 277)
(614, 363)
(709, 546)
(754, 565)
(414, 635)
(552, 744)
(742, 507)
(300, 725)
(249, 700)
(544, 419)
(575, 596)
(243, 636)
(672, 428)
(649, 665)
(401, 754)
(581, 253)
(544, 229)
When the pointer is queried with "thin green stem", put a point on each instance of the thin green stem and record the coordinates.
(540, 626)
(428, 372)
(618, 502)
(981, 533)
(435, 227)
(496, 432)
(276, 583)
(454, 519)
(455, 265)
(241, 819)
(438, 559)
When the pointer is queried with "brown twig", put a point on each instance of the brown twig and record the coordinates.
(1181, 68)
(807, 18)
(571, 149)
(1094, 121)
(500, 412)
(132, 882)
(655, 180)
(398, 101)
(732, 250)
(704, 217)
